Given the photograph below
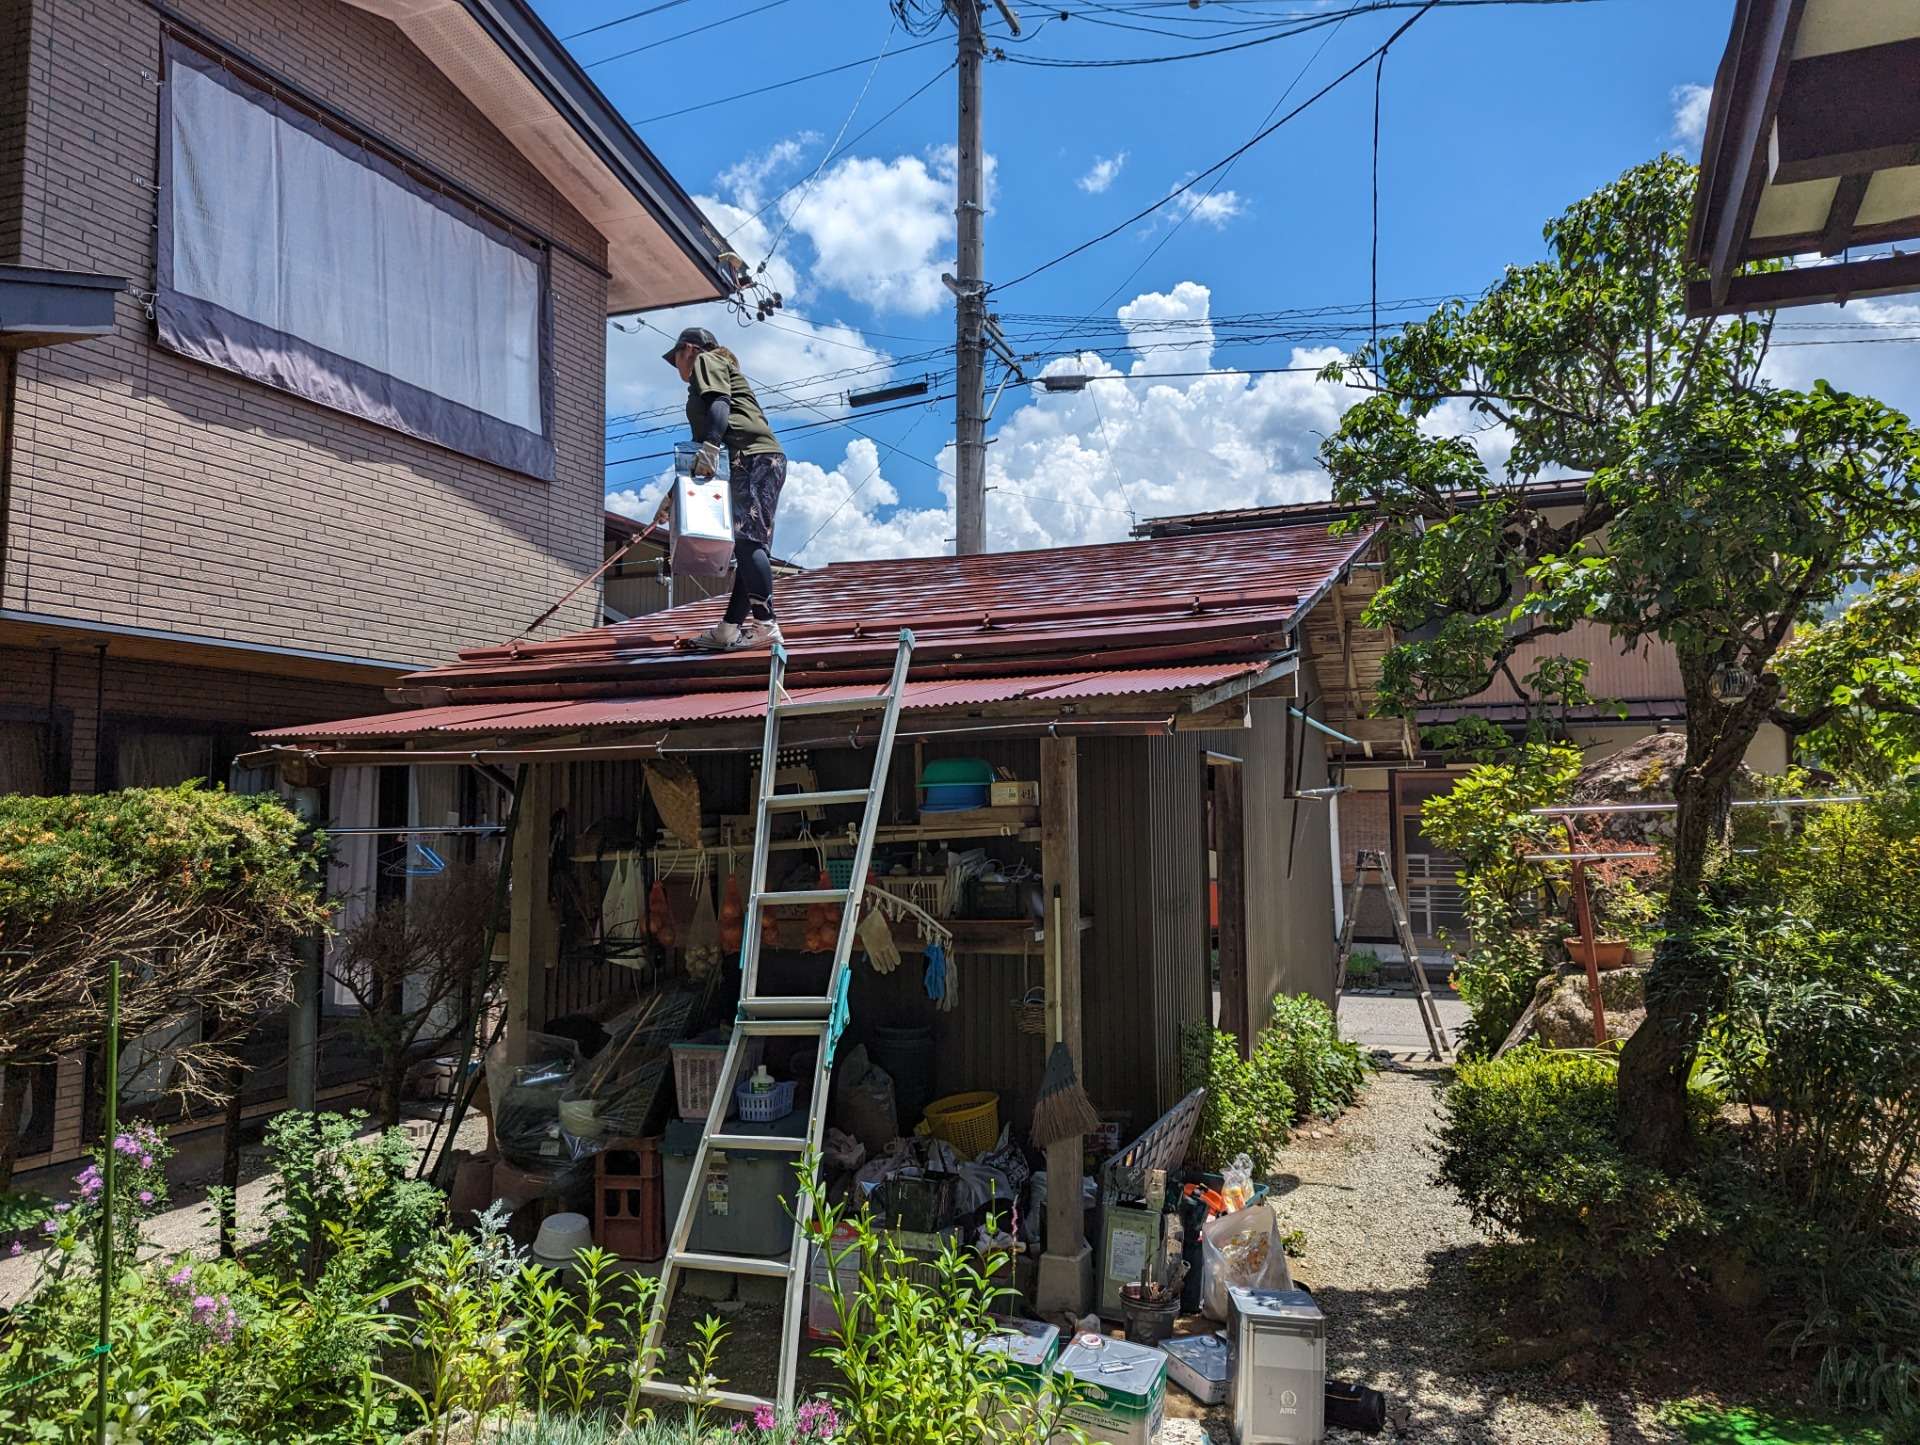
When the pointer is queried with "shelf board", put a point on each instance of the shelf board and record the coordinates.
(970, 935)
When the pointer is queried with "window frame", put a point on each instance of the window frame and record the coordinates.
(205, 331)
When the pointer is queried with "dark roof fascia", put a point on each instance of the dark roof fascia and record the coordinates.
(540, 56)
(40, 307)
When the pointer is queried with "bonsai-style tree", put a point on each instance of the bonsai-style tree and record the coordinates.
(201, 895)
(417, 966)
(1720, 513)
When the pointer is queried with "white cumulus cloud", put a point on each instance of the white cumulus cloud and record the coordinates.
(1102, 173)
(1690, 103)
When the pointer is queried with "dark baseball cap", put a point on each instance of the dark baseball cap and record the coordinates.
(697, 335)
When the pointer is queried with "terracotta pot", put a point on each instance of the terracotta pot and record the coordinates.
(1605, 952)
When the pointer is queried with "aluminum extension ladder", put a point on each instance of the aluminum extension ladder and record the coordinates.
(821, 1018)
(1366, 861)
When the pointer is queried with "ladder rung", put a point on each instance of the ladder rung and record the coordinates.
(794, 897)
(736, 1142)
(792, 802)
(781, 1028)
(816, 706)
(725, 1399)
(774, 1268)
(786, 1007)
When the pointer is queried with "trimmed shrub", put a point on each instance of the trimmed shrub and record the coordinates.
(1302, 1045)
(1247, 1110)
(1528, 1143)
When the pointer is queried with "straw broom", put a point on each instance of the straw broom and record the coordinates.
(1062, 1109)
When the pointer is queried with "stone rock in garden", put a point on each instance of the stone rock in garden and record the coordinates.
(1641, 772)
(1182, 1432)
(1563, 1014)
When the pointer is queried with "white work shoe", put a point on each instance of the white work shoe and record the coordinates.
(735, 637)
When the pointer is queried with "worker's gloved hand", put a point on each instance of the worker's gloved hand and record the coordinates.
(707, 460)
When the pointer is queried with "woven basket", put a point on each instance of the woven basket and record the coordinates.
(676, 793)
(1030, 1013)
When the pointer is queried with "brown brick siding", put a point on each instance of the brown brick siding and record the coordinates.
(16, 16)
(153, 491)
(131, 688)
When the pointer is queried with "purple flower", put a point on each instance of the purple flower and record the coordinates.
(763, 1417)
(126, 1144)
(50, 1227)
(181, 1277)
(62, 1207)
(203, 1304)
(146, 1196)
(16, 1249)
(146, 1161)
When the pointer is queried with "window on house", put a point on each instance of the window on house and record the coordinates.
(297, 256)
(23, 757)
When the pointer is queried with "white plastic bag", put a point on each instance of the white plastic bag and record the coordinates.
(702, 526)
(1242, 1248)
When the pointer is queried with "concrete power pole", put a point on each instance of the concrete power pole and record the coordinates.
(969, 395)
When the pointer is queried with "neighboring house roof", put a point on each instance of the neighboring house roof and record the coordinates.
(661, 251)
(1811, 146)
(1116, 605)
(1560, 491)
(40, 307)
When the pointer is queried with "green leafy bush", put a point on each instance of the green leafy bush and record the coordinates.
(1302, 1045)
(1247, 1110)
(327, 1180)
(1511, 945)
(1528, 1143)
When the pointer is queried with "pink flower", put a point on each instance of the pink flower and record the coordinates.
(16, 1249)
(146, 1196)
(181, 1277)
(50, 1227)
(763, 1417)
(146, 1161)
(62, 1207)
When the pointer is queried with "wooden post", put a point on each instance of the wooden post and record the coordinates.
(1583, 913)
(1230, 847)
(526, 980)
(1066, 1269)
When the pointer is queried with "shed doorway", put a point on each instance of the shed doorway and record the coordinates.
(1225, 816)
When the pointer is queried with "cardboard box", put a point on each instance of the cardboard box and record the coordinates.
(1014, 795)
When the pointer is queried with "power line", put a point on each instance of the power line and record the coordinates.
(1229, 158)
(783, 84)
(623, 19)
(787, 220)
(852, 492)
(681, 35)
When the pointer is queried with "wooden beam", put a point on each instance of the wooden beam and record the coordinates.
(525, 981)
(1849, 112)
(1066, 1268)
(1230, 846)
(1734, 168)
(1810, 286)
(1837, 234)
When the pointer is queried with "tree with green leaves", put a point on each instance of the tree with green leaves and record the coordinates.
(1720, 514)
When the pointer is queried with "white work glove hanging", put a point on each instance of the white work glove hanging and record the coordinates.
(707, 461)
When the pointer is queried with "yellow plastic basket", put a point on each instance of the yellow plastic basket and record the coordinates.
(969, 1122)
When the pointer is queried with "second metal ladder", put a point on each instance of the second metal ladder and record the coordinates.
(819, 1017)
(1367, 861)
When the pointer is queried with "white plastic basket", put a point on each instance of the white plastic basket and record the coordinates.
(766, 1106)
(928, 891)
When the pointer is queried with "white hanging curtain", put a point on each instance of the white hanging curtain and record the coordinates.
(355, 800)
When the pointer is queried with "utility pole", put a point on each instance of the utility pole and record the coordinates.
(969, 394)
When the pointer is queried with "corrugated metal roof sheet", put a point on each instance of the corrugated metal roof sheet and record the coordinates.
(490, 719)
(1117, 604)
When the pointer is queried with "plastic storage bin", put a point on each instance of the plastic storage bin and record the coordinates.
(743, 1205)
(696, 1072)
(950, 785)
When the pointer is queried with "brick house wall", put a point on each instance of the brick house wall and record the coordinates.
(150, 490)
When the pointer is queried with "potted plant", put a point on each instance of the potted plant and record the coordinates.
(1625, 919)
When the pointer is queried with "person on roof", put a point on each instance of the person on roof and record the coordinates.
(724, 412)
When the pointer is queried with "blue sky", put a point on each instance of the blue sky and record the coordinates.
(1493, 119)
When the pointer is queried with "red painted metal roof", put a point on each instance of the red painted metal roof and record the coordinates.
(490, 719)
(1163, 600)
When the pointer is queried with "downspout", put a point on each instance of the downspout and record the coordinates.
(11, 363)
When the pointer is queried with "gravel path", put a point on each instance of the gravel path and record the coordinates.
(1385, 1256)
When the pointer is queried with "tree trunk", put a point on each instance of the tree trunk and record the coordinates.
(14, 1081)
(230, 1159)
(393, 1082)
(1685, 981)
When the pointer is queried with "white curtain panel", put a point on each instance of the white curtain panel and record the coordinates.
(354, 803)
(283, 229)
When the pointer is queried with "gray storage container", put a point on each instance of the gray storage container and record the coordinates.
(745, 1203)
(1278, 1364)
